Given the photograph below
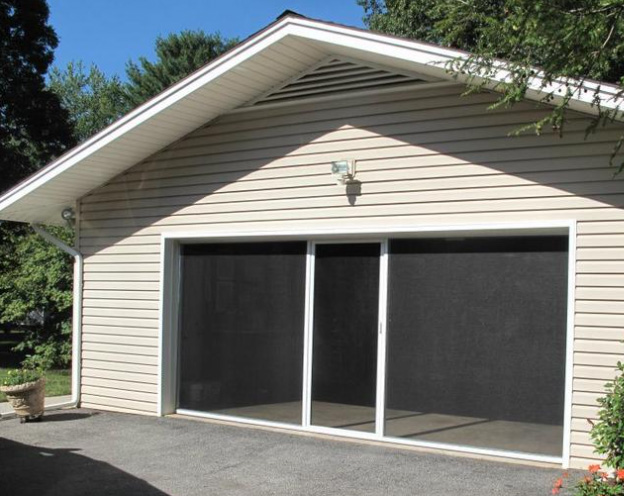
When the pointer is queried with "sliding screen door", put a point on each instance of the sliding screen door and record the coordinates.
(476, 342)
(242, 326)
(344, 357)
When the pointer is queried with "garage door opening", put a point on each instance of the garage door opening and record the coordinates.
(476, 342)
(457, 342)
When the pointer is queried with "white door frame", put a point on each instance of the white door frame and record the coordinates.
(381, 341)
(168, 325)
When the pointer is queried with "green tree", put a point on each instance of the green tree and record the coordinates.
(571, 41)
(36, 288)
(92, 100)
(33, 125)
(35, 278)
(177, 56)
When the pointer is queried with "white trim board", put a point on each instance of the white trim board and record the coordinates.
(169, 326)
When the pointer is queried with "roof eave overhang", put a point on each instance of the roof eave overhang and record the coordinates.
(330, 38)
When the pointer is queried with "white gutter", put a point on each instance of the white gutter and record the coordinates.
(76, 316)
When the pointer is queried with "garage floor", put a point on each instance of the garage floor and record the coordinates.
(80, 452)
(512, 436)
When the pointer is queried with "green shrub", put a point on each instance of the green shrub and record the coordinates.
(608, 432)
(21, 376)
(53, 351)
(608, 437)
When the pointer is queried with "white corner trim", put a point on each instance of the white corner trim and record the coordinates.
(569, 354)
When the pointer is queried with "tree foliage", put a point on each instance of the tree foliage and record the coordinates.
(177, 56)
(92, 100)
(35, 277)
(33, 125)
(608, 432)
(36, 288)
(570, 41)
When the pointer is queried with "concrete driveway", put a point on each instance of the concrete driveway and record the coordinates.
(83, 452)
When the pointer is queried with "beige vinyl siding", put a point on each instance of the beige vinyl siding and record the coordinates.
(427, 157)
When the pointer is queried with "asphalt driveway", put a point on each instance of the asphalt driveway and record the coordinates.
(82, 452)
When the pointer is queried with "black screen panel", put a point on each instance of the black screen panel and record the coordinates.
(242, 321)
(344, 365)
(477, 328)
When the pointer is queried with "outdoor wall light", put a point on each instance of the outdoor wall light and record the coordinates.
(343, 171)
(68, 215)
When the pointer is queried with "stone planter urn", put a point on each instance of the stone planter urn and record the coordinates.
(27, 399)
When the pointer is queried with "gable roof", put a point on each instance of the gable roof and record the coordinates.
(257, 69)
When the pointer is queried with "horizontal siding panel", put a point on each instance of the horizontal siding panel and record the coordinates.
(600, 254)
(125, 384)
(407, 173)
(384, 180)
(115, 404)
(121, 322)
(322, 140)
(584, 412)
(122, 331)
(125, 295)
(599, 320)
(369, 207)
(122, 304)
(121, 275)
(404, 192)
(98, 373)
(595, 306)
(603, 240)
(599, 346)
(122, 285)
(581, 438)
(598, 359)
(376, 220)
(600, 280)
(585, 398)
(608, 267)
(478, 151)
(581, 463)
(116, 255)
(121, 349)
(399, 163)
(140, 250)
(122, 367)
(584, 451)
(120, 312)
(119, 357)
(581, 425)
(122, 267)
(125, 341)
(603, 227)
(599, 333)
(602, 373)
(590, 386)
(315, 125)
(119, 393)
(604, 294)
(99, 242)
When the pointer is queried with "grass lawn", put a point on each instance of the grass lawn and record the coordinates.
(58, 382)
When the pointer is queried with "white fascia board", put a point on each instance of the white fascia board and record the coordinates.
(146, 111)
(436, 59)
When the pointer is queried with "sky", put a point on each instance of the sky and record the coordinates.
(111, 32)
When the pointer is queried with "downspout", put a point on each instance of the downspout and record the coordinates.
(76, 316)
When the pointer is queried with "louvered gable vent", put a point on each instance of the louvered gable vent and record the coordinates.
(336, 76)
